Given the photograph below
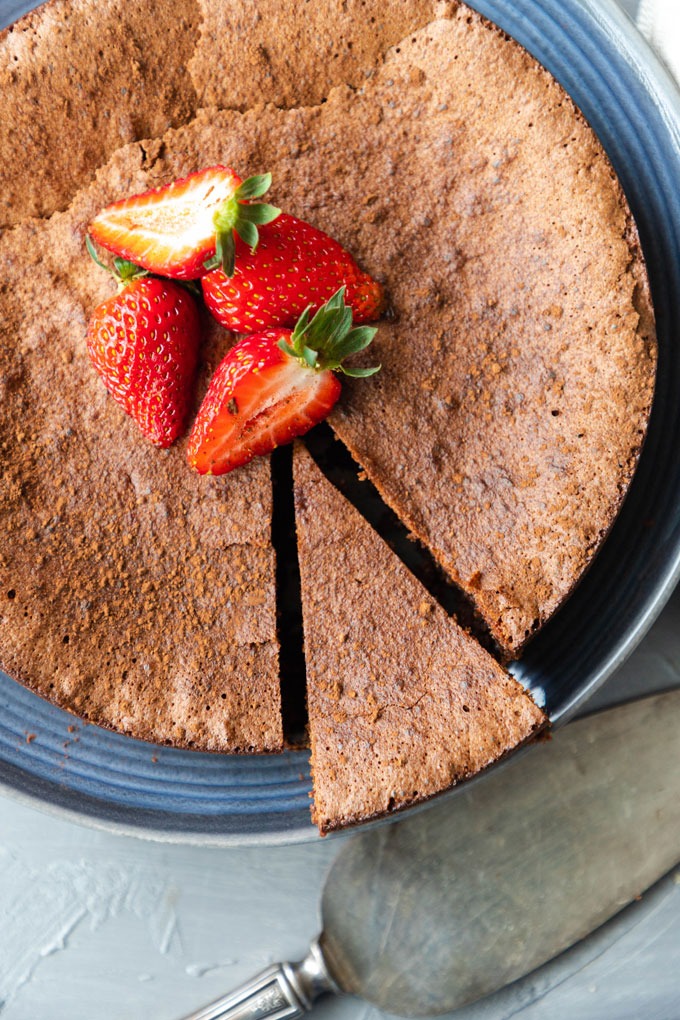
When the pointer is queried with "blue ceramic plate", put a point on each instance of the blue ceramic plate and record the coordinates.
(128, 786)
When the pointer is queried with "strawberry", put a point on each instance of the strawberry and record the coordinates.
(274, 386)
(293, 266)
(144, 342)
(173, 230)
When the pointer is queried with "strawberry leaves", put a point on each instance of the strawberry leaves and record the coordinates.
(324, 341)
(122, 270)
(238, 216)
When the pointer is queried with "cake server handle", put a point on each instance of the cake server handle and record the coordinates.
(284, 991)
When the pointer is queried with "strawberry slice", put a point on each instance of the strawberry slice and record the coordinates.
(274, 386)
(172, 231)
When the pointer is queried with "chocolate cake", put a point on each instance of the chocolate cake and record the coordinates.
(403, 703)
(518, 354)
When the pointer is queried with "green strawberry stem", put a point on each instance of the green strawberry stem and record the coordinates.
(122, 271)
(326, 340)
(238, 216)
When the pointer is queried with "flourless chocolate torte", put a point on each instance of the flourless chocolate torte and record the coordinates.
(504, 427)
(403, 703)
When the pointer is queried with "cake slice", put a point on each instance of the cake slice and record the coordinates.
(403, 703)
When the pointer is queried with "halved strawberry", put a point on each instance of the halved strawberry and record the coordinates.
(174, 230)
(274, 386)
(144, 343)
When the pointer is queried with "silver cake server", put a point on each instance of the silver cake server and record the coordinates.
(433, 912)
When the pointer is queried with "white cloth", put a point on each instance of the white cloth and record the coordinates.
(659, 21)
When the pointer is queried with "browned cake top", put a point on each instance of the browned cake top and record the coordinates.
(518, 376)
(402, 702)
(80, 78)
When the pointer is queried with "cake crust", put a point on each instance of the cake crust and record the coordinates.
(77, 80)
(89, 67)
(518, 374)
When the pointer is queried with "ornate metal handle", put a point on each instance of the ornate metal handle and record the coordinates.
(284, 991)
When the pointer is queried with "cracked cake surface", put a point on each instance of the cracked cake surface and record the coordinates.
(403, 703)
(90, 67)
(518, 357)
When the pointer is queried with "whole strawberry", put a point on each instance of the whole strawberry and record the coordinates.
(274, 386)
(144, 342)
(293, 266)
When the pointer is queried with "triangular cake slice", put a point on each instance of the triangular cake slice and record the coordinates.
(402, 702)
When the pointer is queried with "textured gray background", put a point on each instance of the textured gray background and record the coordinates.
(108, 928)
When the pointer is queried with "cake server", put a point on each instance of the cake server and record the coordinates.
(433, 912)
